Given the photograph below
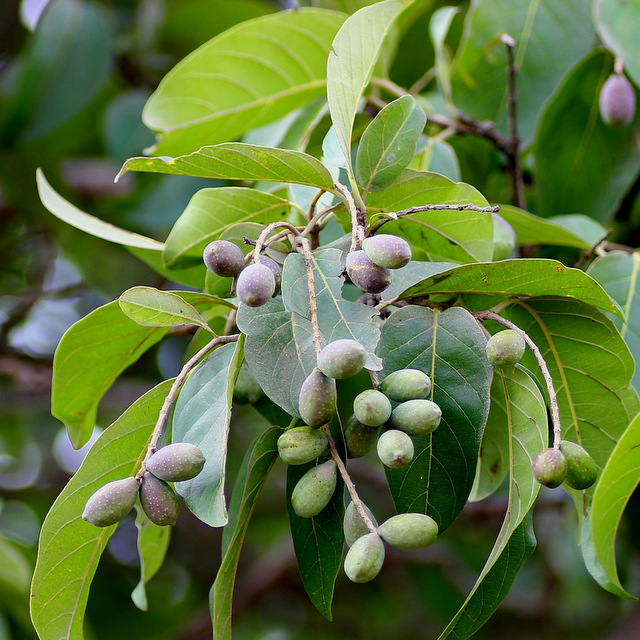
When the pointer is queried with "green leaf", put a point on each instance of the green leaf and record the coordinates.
(153, 542)
(240, 161)
(517, 277)
(482, 603)
(201, 417)
(90, 356)
(353, 56)
(211, 213)
(256, 465)
(411, 274)
(439, 26)
(449, 346)
(388, 143)
(69, 547)
(338, 318)
(279, 351)
(519, 411)
(151, 307)
(479, 75)
(589, 166)
(70, 214)
(14, 569)
(616, 484)
(435, 236)
(616, 24)
(618, 273)
(531, 229)
(252, 74)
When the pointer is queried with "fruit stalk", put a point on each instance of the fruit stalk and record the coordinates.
(313, 301)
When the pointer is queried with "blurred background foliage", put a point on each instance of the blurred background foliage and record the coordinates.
(74, 77)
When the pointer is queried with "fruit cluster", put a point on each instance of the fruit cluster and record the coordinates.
(173, 463)
(569, 463)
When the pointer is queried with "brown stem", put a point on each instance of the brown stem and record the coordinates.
(266, 231)
(357, 223)
(313, 301)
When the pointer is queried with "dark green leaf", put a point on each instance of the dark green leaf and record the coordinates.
(201, 417)
(253, 473)
(69, 547)
(239, 161)
(252, 74)
(279, 351)
(449, 346)
(90, 356)
(582, 164)
(337, 317)
(388, 143)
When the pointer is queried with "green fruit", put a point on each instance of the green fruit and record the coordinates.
(112, 502)
(223, 258)
(386, 250)
(550, 467)
(317, 400)
(367, 275)
(409, 531)
(314, 490)
(176, 462)
(395, 449)
(582, 470)
(365, 558)
(159, 501)
(359, 438)
(617, 101)
(302, 444)
(255, 285)
(406, 384)
(246, 389)
(416, 417)
(505, 348)
(341, 359)
(353, 525)
(372, 407)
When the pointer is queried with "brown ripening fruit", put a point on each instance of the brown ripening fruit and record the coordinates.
(317, 400)
(112, 502)
(366, 275)
(386, 250)
(617, 101)
(256, 285)
(341, 358)
(550, 467)
(176, 462)
(223, 258)
(159, 501)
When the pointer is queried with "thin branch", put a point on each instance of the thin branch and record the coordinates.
(266, 231)
(544, 369)
(173, 393)
(313, 301)
(357, 223)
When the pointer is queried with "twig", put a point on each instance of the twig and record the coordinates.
(173, 393)
(544, 369)
(434, 207)
(348, 482)
(313, 301)
(357, 221)
(266, 231)
(513, 155)
(586, 257)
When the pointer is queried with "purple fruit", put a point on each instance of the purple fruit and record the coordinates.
(159, 501)
(176, 462)
(386, 250)
(223, 258)
(366, 275)
(256, 284)
(617, 101)
(112, 502)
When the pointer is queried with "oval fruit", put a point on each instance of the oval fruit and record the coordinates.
(302, 444)
(365, 558)
(582, 470)
(256, 285)
(406, 384)
(341, 358)
(550, 467)
(353, 525)
(409, 531)
(505, 348)
(112, 502)
(176, 462)
(617, 101)
(386, 250)
(367, 275)
(317, 399)
(314, 490)
(416, 417)
(372, 408)
(223, 258)
(159, 501)
(395, 449)
(359, 438)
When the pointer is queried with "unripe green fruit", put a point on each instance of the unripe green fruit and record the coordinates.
(372, 407)
(223, 258)
(365, 558)
(342, 358)
(582, 470)
(314, 490)
(366, 275)
(416, 417)
(159, 500)
(550, 467)
(617, 101)
(317, 400)
(386, 250)
(359, 438)
(353, 525)
(112, 502)
(409, 531)
(255, 285)
(406, 384)
(395, 449)
(505, 348)
(176, 462)
(302, 444)
(246, 389)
